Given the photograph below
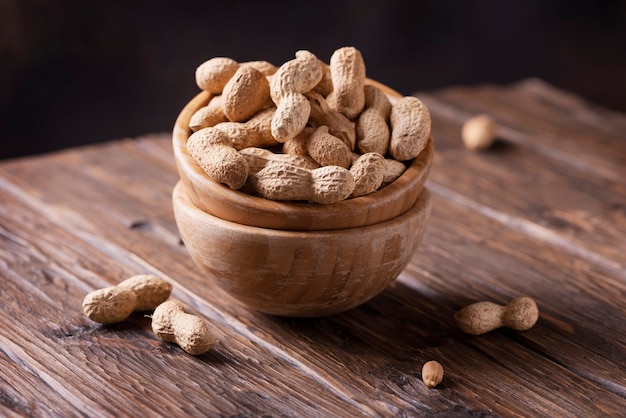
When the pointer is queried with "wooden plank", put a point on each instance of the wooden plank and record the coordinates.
(564, 203)
(74, 364)
(500, 263)
(560, 126)
(16, 379)
(372, 355)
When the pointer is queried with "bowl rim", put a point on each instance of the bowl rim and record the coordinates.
(421, 208)
(243, 208)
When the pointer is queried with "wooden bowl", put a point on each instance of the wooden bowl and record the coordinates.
(300, 273)
(242, 208)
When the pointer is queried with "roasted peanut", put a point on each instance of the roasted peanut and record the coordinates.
(478, 132)
(246, 93)
(372, 126)
(109, 305)
(264, 67)
(209, 115)
(327, 149)
(170, 323)
(432, 373)
(393, 170)
(481, 317)
(212, 150)
(368, 171)
(298, 144)
(283, 181)
(116, 303)
(410, 128)
(287, 86)
(325, 86)
(347, 71)
(212, 75)
(150, 290)
(258, 158)
(338, 124)
(255, 132)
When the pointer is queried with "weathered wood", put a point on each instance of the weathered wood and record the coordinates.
(86, 218)
(559, 126)
(83, 363)
(576, 203)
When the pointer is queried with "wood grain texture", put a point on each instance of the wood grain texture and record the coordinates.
(522, 218)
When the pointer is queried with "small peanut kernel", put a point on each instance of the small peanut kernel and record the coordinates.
(113, 304)
(432, 373)
(478, 132)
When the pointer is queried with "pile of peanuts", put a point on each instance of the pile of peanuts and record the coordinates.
(304, 131)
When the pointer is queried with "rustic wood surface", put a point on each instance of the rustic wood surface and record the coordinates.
(541, 214)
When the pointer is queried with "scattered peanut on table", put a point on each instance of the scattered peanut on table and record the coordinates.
(170, 323)
(116, 303)
(478, 132)
(329, 113)
(520, 314)
(432, 373)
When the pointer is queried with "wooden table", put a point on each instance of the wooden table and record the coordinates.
(541, 214)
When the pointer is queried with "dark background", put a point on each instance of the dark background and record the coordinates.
(77, 72)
